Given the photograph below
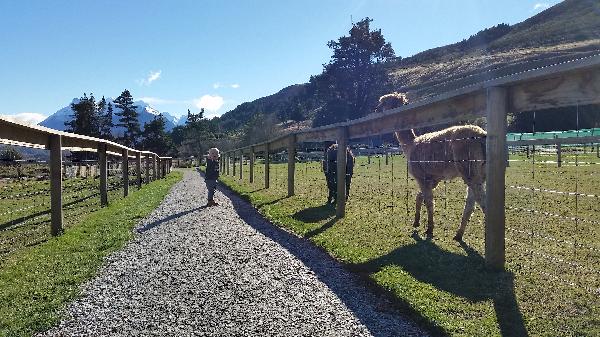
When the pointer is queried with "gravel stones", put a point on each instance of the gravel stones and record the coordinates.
(224, 271)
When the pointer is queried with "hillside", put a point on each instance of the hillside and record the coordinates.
(272, 104)
(568, 30)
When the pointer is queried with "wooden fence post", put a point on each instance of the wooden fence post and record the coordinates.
(291, 150)
(55, 143)
(234, 171)
(496, 109)
(559, 155)
(251, 164)
(103, 174)
(387, 156)
(147, 164)
(125, 171)
(154, 168)
(341, 172)
(138, 168)
(227, 164)
(241, 164)
(267, 165)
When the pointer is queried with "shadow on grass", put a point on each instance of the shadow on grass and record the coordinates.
(464, 276)
(268, 202)
(315, 214)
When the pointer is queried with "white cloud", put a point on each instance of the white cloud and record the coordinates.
(540, 6)
(209, 102)
(221, 85)
(25, 117)
(153, 76)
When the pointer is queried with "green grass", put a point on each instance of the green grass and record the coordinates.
(552, 280)
(37, 281)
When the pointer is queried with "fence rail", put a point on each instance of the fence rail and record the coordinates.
(38, 137)
(570, 83)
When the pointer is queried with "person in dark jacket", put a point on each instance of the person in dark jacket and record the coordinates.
(330, 170)
(212, 174)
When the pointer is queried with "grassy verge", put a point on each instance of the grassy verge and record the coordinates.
(550, 286)
(37, 282)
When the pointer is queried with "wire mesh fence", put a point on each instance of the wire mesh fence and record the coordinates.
(25, 213)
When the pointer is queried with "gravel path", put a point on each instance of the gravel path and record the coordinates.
(224, 271)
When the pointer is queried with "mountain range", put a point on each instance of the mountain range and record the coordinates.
(146, 113)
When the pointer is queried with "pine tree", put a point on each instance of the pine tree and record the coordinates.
(355, 77)
(106, 122)
(155, 138)
(128, 119)
(85, 117)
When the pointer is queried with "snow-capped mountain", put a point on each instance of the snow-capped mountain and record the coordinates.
(146, 113)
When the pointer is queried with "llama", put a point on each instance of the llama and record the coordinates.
(457, 151)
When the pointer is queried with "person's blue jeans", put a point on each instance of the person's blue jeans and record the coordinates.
(211, 185)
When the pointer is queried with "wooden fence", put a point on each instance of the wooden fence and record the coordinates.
(31, 136)
(565, 84)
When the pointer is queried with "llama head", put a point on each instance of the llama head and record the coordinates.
(391, 101)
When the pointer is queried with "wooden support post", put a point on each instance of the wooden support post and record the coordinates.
(252, 164)
(154, 168)
(125, 170)
(138, 168)
(342, 139)
(559, 155)
(291, 150)
(527, 151)
(241, 164)
(387, 155)
(103, 174)
(234, 166)
(56, 216)
(267, 165)
(496, 110)
(369, 159)
(597, 150)
(147, 164)
(227, 164)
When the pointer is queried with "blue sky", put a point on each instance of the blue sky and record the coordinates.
(214, 54)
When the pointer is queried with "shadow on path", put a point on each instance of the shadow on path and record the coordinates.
(156, 223)
(369, 304)
(464, 276)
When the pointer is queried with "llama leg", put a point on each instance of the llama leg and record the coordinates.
(428, 199)
(419, 202)
(469, 206)
(479, 194)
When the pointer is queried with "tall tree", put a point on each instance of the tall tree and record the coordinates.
(128, 119)
(85, 117)
(155, 138)
(355, 76)
(105, 111)
(106, 122)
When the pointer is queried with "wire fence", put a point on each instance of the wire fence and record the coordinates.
(25, 211)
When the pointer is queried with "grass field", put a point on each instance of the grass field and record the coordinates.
(25, 207)
(36, 281)
(551, 286)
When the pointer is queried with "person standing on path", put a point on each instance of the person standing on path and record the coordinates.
(212, 174)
